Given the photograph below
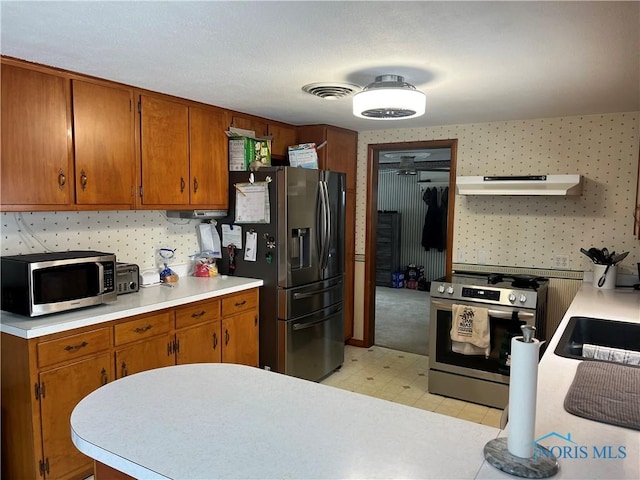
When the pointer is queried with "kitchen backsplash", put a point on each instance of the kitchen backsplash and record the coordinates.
(134, 236)
(533, 231)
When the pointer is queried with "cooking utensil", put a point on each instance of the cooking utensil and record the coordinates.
(589, 255)
(615, 259)
(603, 278)
(597, 255)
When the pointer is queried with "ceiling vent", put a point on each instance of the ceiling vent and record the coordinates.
(331, 91)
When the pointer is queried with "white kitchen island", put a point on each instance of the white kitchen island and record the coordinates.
(229, 421)
(205, 421)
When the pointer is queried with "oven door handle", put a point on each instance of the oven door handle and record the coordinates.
(505, 314)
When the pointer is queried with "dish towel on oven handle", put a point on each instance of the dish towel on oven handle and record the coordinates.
(470, 330)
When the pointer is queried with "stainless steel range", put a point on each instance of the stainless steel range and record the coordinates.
(511, 301)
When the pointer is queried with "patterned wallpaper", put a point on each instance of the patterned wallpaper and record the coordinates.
(531, 231)
(133, 235)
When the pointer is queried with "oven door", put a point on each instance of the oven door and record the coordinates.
(504, 324)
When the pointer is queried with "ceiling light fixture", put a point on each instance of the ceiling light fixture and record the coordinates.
(389, 98)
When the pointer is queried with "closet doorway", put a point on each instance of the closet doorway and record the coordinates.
(409, 238)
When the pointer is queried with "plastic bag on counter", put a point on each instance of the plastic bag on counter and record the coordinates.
(204, 264)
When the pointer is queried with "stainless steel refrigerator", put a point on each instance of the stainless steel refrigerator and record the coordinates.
(300, 257)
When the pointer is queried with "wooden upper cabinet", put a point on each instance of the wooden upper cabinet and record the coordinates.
(37, 158)
(339, 154)
(164, 139)
(103, 120)
(283, 137)
(208, 158)
(249, 123)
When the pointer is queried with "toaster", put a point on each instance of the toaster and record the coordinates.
(127, 278)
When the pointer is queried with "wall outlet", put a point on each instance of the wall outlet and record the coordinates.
(560, 261)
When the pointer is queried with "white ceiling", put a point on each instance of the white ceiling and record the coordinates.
(476, 61)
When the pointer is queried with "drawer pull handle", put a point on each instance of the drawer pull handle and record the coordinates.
(74, 348)
(182, 184)
(215, 341)
(125, 372)
(198, 315)
(105, 377)
(195, 184)
(142, 329)
(239, 304)
(226, 336)
(62, 179)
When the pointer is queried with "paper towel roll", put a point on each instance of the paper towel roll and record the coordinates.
(523, 384)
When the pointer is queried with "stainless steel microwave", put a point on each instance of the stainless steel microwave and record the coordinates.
(41, 283)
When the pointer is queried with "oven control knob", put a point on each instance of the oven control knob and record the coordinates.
(450, 290)
(512, 297)
(441, 288)
(523, 298)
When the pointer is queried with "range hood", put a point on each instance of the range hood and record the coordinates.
(197, 214)
(520, 185)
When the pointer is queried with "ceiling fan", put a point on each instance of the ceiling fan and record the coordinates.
(402, 163)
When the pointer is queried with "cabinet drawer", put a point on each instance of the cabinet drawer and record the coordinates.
(142, 327)
(73, 346)
(239, 303)
(197, 313)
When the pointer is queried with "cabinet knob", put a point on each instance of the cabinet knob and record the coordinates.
(83, 180)
(104, 377)
(124, 370)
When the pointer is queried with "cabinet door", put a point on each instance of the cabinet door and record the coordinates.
(64, 387)
(283, 137)
(104, 144)
(199, 344)
(37, 161)
(341, 154)
(240, 339)
(249, 123)
(208, 158)
(152, 353)
(164, 139)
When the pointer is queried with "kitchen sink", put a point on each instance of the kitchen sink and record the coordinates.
(597, 331)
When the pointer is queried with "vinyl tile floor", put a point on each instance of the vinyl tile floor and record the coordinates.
(403, 378)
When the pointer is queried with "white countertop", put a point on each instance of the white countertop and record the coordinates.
(186, 290)
(555, 375)
(232, 421)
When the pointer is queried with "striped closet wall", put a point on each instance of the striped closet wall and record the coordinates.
(403, 193)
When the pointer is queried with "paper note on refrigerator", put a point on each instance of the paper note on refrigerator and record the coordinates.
(231, 235)
(251, 247)
(252, 202)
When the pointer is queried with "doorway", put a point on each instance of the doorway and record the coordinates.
(391, 164)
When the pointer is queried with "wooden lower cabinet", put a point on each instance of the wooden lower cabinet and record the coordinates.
(44, 378)
(64, 387)
(37, 402)
(240, 339)
(199, 344)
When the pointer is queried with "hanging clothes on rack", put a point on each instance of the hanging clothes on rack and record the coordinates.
(432, 229)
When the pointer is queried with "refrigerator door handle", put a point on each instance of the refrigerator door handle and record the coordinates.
(298, 296)
(326, 227)
(326, 318)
